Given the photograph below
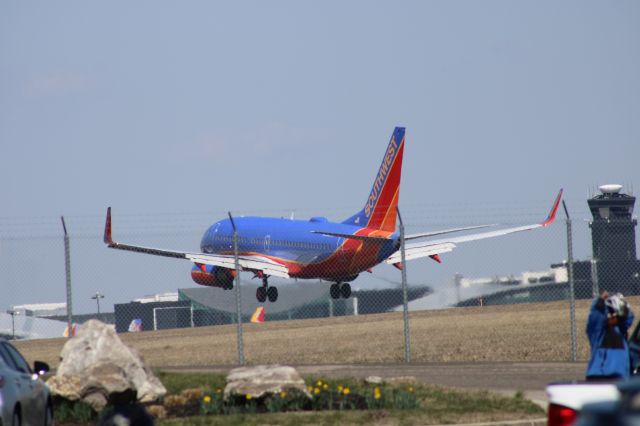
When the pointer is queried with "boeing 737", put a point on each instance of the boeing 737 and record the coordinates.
(318, 248)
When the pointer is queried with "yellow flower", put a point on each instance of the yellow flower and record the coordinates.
(319, 383)
(310, 388)
(249, 396)
(411, 389)
(316, 391)
(325, 386)
(340, 388)
(283, 394)
(376, 393)
(207, 399)
(218, 390)
(346, 391)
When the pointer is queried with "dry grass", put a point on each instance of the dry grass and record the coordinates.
(530, 332)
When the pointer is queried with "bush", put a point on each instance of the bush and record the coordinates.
(325, 396)
(66, 411)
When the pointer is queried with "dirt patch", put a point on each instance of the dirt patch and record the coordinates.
(514, 333)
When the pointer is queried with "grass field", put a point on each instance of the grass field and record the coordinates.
(527, 332)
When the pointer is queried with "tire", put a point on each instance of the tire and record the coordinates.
(334, 291)
(345, 290)
(261, 294)
(272, 294)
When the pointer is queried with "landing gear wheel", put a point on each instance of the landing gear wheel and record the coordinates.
(261, 294)
(272, 294)
(334, 291)
(345, 290)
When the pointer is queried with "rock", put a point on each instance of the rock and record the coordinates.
(97, 367)
(264, 380)
(192, 394)
(157, 411)
(67, 387)
(374, 380)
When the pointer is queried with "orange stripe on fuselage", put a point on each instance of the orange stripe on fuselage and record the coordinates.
(351, 258)
(366, 254)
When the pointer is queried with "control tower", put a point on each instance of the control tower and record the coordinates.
(614, 240)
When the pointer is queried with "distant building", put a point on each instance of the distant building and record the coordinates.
(162, 297)
(42, 310)
(203, 306)
(613, 237)
(614, 266)
(298, 301)
(557, 274)
(150, 315)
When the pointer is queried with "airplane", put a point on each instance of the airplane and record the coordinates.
(318, 248)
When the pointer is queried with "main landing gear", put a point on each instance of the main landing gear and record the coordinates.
(265, 292)
(338, 290)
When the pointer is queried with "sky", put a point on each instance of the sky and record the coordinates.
(174, 113)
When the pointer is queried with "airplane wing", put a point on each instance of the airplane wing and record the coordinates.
(253, 263)
(444, 231)
(435, 247)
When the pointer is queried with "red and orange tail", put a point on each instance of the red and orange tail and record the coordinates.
(258, 315)
(380, 210)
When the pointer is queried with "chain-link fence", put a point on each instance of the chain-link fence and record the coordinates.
(505, 288)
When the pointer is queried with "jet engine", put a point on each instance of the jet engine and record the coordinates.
(213, 276)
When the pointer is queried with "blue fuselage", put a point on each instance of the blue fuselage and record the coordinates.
(299, 246)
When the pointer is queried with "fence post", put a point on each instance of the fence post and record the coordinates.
(237, 285)
(407, 337)
(572, 297)
(67, 268)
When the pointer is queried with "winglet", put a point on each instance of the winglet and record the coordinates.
(554, 210)
(107, 229)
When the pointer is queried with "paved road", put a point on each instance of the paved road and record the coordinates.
(504, 377)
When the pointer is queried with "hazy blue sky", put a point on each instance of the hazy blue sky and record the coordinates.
(175, 112)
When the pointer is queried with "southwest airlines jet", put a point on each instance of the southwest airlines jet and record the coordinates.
(318, 248)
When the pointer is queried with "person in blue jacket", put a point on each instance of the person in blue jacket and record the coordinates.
(609, 321)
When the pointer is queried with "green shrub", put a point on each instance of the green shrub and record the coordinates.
(212, 404)
(66, 411)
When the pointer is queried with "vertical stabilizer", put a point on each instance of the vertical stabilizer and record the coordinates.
(380, 210)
